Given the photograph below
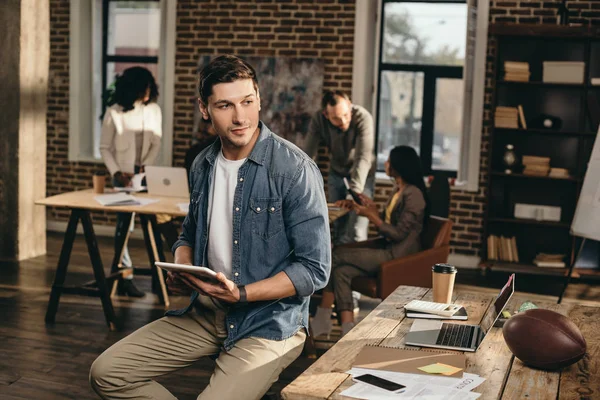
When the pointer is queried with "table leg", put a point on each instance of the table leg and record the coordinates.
(98, 268)
(121, 239)
(149, 228)
(63, 263)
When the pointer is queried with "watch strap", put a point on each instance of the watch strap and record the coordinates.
(243, 297)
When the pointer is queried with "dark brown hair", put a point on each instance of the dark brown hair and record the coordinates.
(223, 69)
(330, 98)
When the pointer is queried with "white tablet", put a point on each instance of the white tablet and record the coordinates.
(202, 272)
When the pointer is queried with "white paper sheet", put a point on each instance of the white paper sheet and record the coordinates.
(467, 383)
(144, 201)
(116, 199)
(415, 391)
(185, 207)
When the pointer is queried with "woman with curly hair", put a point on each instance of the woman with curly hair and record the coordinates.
(130, 140)
(400, 224)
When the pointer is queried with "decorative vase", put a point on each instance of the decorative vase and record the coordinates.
(509, 159)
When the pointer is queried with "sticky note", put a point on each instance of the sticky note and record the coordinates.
(453, 369)
(439, 369)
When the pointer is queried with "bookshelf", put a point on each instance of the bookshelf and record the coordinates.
(568, 145)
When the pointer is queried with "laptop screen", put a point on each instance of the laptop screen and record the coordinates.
(495, 309)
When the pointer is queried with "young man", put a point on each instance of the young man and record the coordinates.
(257, 216)
(347, 130)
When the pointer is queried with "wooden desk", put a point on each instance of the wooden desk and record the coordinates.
(506, 377)
(81, 203)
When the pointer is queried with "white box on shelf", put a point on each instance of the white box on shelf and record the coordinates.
(563, 71)
(537, 212)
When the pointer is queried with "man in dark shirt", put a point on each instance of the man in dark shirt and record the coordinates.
(347, 130)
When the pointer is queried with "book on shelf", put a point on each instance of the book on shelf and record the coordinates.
(536, 160)
(559, 172)
(502, 248)
(545, 260)
(506, 117)
(522, 117)
(534, 165)
(516, 71)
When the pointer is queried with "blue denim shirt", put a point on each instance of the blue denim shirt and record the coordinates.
(280, 223)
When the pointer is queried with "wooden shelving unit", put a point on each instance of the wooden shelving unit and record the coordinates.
(568, 147)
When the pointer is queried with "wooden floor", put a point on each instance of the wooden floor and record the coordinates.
(39, 361)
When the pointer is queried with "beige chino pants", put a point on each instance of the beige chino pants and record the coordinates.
(126, 370)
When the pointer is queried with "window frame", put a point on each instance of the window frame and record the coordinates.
(108, 58)
(430, 75)
(85, 94)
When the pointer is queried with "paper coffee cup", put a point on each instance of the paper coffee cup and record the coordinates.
(443, 282)
(98, 183)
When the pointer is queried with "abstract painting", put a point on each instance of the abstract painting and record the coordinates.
(290, 93)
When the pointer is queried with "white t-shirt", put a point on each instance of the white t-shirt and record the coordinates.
(220, 233)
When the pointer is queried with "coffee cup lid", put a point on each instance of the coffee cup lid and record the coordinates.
(444, 268)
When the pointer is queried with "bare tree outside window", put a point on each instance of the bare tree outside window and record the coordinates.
(421, 88)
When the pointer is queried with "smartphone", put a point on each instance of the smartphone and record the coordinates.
(380, 383)
(355, 196)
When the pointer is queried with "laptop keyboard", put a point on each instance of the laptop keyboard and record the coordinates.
(456, 335)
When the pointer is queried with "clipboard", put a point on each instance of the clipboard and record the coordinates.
(407, 360)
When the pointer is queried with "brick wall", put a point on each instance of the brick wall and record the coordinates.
(286, 28)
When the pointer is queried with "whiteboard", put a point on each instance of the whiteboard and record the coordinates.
(586, 222)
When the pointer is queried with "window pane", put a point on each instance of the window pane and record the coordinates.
(424, 33)
(133, 28)
(447, 126)
(400, 111)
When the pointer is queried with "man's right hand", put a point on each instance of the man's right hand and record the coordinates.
(176, 285)
(123, 178)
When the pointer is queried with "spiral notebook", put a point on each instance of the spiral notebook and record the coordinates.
(407, 360)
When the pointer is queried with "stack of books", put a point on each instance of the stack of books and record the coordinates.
(559, 173)
(516, 71)
(545, 260)
(502, 248)
(506, 117)
(538, 166)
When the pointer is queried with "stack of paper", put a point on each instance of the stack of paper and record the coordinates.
(116, 199)
(516, 71)
(506, 117)
(425, 373)
(123, 199)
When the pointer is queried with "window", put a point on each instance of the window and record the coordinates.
(420, 78)
(117, 34)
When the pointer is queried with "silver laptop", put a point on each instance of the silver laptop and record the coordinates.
(167, 181)
(443, 335)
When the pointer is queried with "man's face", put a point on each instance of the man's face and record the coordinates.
(340, 115)
(233, 109)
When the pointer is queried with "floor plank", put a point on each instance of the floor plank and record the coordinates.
(52, 361)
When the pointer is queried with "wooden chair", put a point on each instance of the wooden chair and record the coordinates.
(412, 270)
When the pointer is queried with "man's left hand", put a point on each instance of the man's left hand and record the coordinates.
(222, 289)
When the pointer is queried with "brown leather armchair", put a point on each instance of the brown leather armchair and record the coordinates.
(412, 270)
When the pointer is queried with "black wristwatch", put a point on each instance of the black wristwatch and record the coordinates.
(243, 299)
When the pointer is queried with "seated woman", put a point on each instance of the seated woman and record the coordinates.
(400, 224)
